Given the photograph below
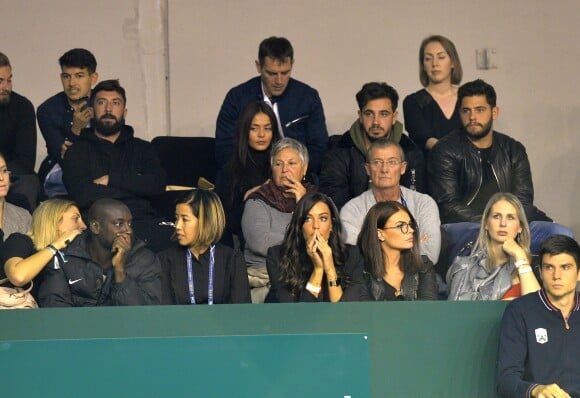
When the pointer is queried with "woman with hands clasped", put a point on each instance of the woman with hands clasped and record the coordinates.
(269, 209)
(55, 223)
(499, 264)
(313, 263)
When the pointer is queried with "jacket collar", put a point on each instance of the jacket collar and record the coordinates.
(357, 135)
(551, 307)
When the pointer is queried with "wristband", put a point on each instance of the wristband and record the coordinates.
(313, 289)
(519, 263)
(334, 283)
(52, 249)
(524, 270)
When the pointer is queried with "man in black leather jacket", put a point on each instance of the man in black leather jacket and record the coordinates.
(343, 175)
(469, 165)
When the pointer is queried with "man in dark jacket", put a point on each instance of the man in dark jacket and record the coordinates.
(18, 140)
(539, 346)
(107, 161)
(62, 117)
(468, 166)
(296, 105)
(103, 266)
(343, 175)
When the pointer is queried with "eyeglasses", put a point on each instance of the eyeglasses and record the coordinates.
(379, 163)
(5, 172)
(403, 227)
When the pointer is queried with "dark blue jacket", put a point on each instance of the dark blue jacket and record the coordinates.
(55, 117)
(301, 115)
(536, 348)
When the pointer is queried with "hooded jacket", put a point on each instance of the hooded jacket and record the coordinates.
(134, 170)
(79, 281)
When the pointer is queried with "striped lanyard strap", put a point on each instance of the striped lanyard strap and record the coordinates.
(210, 278)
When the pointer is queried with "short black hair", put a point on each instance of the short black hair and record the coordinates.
(99, 207)
(477, 87)
(79, 58)
(558, 244)
(278, 48)
(374, 90)
(108, 85)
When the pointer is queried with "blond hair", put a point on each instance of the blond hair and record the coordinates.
(522, 239)
(45, 220)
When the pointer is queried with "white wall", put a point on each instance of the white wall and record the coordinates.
(127, 38)
(339, 45)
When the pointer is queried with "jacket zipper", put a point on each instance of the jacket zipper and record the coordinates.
(480, 179)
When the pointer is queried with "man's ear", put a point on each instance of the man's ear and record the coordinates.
(95, 227)
(94, 78)
(403, 167)
(258, 67)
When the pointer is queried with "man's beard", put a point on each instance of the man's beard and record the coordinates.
(485, 130)
(5, 99)
(372, 138)
(107, 129)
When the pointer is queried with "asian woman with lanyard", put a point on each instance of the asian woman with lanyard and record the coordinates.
(198, 269)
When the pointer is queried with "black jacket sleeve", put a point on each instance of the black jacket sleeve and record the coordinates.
(427, 289)
(142, 284)
(23, 154)
(516, 172)
(335, 176)
(445, 166)
(54, 290)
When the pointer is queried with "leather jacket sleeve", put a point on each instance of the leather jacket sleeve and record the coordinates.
(445, 164)
(514, 172)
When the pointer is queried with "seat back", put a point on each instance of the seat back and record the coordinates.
(185, 159)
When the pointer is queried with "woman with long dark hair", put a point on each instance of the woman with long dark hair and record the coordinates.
(313, 263)
(249, 166)
(395, 269)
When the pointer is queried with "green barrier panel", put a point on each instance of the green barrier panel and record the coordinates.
(226, 366)
(415, 349)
